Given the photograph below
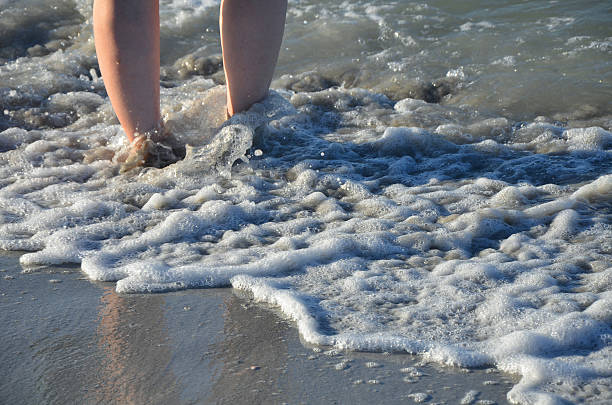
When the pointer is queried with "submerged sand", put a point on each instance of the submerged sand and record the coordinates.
(69, 340)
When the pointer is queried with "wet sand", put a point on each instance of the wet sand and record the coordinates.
(67, 340)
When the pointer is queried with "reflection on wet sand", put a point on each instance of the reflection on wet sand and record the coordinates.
(133, 338)
(252, 359)
(137, 351)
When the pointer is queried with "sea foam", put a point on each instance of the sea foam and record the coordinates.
(387, 239)
(374, 220)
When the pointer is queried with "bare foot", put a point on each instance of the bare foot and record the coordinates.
(158, 148)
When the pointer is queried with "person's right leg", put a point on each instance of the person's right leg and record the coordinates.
(251, 36)
(126, 34)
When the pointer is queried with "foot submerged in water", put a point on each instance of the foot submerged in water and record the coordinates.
(158, 148)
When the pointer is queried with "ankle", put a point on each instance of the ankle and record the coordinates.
(155, 134)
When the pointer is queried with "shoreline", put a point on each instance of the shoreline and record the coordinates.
(71, 340)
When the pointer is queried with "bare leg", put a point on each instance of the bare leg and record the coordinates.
(127, 44)
(251, 36)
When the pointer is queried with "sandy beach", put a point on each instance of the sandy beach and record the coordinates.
(68, 340)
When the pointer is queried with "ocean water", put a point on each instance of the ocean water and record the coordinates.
(432, 178)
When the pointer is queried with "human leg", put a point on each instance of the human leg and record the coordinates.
(126, 34)
(251, 36)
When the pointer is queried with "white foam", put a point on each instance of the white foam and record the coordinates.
(443, 230)
(480, 26)
(173, 13)
(599, 190)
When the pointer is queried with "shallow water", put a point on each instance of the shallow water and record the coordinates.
(434, 179)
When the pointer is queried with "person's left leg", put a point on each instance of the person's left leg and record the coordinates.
(251, 36)
(126, 34)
